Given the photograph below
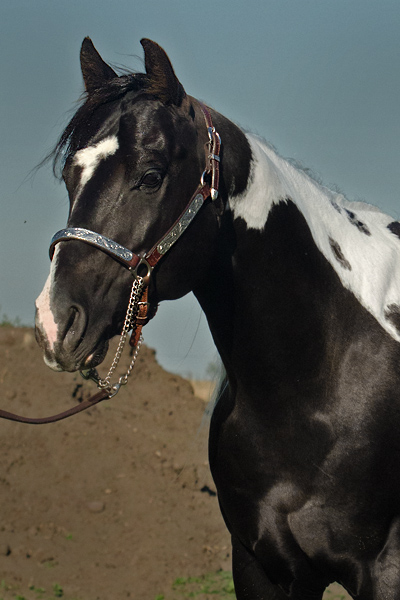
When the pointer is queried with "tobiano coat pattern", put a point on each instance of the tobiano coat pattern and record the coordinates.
(353, 236)
(301, 290)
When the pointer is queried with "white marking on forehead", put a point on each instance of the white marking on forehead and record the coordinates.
(44, 316)
(89, 158)
(374, 276)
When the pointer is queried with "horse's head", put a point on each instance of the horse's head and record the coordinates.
(132, 157)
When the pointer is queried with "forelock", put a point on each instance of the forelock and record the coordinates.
(72, 138)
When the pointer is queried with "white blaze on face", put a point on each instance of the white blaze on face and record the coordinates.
(89, 158)
(44, 316)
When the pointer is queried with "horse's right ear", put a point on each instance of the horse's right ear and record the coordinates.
(162, 81)
(94, 70)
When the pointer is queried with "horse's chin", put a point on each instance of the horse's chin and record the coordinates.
(52, 363)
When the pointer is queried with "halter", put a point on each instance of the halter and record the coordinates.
(141, 267)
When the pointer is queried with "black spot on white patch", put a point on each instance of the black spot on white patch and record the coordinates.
(394, 228)
(392, 314)
(338, 254)
(356, 222)
(336, 207)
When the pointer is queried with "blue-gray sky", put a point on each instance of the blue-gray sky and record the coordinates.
(320, 79)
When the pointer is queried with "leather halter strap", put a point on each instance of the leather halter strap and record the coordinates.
(208, 187)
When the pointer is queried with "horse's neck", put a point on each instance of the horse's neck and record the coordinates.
(281, 217)
(264, 298)
(353, 237)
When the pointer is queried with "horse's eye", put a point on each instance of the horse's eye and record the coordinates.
(151, 179)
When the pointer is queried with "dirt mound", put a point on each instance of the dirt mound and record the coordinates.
(114, 503)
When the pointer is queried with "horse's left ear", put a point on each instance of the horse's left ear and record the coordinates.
(163, 82)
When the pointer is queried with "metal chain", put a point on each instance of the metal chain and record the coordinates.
(105, 383)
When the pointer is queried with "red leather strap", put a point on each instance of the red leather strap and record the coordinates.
(142, 318)
(213, 157)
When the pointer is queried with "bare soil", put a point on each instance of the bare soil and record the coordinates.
(114, 503)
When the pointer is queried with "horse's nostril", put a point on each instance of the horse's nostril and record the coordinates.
(71, 320)
(75, 328)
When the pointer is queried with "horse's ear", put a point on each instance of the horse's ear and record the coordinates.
(163, 82)
(94, 70)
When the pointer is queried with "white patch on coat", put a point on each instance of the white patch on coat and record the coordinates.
(89, 158)
(45, 320)
(374, 277)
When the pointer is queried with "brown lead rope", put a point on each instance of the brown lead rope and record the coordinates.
(103, 394)
(95, 399)
(106, 393)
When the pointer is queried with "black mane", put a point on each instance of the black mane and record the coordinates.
(71, 138)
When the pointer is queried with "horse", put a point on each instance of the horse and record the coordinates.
(301, 291)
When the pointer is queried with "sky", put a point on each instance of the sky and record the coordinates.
(320, 79)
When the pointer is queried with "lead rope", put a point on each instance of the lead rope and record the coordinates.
(135, 318)
(137, 290)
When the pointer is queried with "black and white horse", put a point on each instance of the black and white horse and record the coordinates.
(301, 290)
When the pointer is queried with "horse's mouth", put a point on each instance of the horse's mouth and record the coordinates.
(72, 364)
(96, 357)
(58, 359)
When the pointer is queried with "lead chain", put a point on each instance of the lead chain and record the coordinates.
(134, 299)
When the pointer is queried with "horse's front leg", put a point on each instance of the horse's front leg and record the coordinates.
(252, 583)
